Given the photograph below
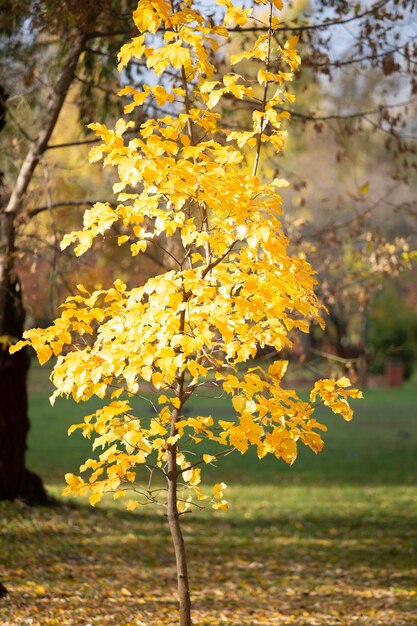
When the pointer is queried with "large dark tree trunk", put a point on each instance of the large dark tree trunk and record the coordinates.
(16, 481)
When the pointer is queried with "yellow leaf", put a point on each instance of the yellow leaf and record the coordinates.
(221, 504)
(156, 428)
(157, 379)
(184, 505)
(214, 98)
(44, 354)
(82, 289)
(208, 85)
(177, 54)
(131, 505)
(138, 247)
(236, 58)
(94, 498)
(230, 79)
(192, 476)
(135, 48)
(176, 402)
(239, 403)
(18, 346)
(343, 382)
(278, 369)
(218, 490)
(292, 42)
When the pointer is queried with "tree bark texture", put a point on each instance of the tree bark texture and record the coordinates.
(178, 541)
(16, 481)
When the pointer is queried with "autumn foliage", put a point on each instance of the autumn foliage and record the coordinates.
(190, 183)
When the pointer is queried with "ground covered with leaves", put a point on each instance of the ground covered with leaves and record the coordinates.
(331, 541)
(322, 556)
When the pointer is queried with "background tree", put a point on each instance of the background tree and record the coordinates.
(393, 329)
(232, 286)
(32, 33)
(355, 108)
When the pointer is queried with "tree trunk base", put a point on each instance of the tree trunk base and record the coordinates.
(32, 491)
(3, 591)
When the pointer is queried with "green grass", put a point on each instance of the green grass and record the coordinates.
(330, 541)
(379, 446)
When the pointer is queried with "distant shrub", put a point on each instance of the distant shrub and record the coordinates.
(392, 330)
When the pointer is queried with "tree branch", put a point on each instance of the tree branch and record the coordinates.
(218, 260)
(378, 5)
(68, 144)
(40, 144)
(59, 205)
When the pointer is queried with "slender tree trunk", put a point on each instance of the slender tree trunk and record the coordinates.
(178, 541)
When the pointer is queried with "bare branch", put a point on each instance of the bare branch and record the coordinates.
(320, 25)
(59, 205)
(218, 260)
(82, 142)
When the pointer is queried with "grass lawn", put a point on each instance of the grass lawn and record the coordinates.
(330, 541)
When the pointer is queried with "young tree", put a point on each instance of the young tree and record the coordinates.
(187, 178)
